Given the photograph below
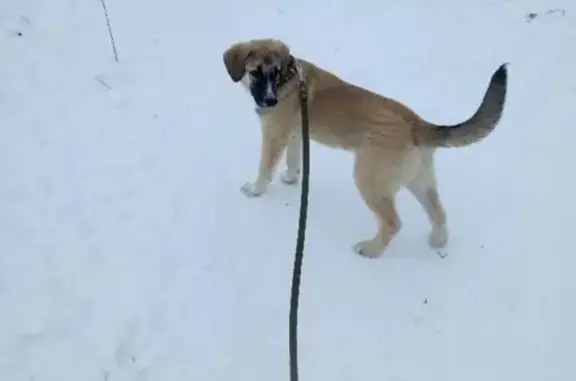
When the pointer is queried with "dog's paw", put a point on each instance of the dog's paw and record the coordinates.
(290, 177)
(368, 249)
(438, 238)
(252, 189)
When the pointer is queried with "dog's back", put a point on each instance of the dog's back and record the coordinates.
(344, 115)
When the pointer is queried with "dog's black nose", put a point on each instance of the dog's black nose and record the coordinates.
(270, 102)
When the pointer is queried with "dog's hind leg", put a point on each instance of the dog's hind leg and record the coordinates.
(424, 189)
(378, 176)
(293, 160)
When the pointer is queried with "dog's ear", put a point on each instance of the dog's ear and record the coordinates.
(235, 59)
(283, 51)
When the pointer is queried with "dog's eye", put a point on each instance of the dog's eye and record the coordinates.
(256, 73)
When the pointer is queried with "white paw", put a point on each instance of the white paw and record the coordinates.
(290, 177)
(252, 189)
(442, 253)
(368, 249)
(438, 238)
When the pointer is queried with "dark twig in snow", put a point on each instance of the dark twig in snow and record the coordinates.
(103, 83)
(112, 41)
(531, 16)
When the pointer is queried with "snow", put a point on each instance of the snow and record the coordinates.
(127, 251)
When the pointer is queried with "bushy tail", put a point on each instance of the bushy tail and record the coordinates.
(480, 125)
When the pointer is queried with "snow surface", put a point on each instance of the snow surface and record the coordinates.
(128, 251)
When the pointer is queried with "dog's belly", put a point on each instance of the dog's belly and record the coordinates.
(336, 138)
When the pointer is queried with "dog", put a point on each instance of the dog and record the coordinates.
(393, 146)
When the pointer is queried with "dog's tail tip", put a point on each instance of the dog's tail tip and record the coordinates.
(500, 76)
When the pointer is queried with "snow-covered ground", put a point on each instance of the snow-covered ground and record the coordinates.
(128, 252)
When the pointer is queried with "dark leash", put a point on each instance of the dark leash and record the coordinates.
(296, 69)
(301, 236)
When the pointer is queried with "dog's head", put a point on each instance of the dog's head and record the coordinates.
(262, 66)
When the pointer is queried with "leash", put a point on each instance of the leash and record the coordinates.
(301, 235)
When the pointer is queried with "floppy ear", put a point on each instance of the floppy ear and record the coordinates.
(235, 59)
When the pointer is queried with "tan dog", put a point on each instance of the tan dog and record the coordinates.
(393, 146)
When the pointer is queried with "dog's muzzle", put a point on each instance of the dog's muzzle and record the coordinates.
(264, 92)
(270, 99)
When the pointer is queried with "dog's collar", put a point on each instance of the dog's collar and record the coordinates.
(291, 72)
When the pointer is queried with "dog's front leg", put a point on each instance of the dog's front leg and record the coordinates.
(274, 140)
(293, 159)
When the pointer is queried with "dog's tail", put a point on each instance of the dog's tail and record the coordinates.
(480, 125)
